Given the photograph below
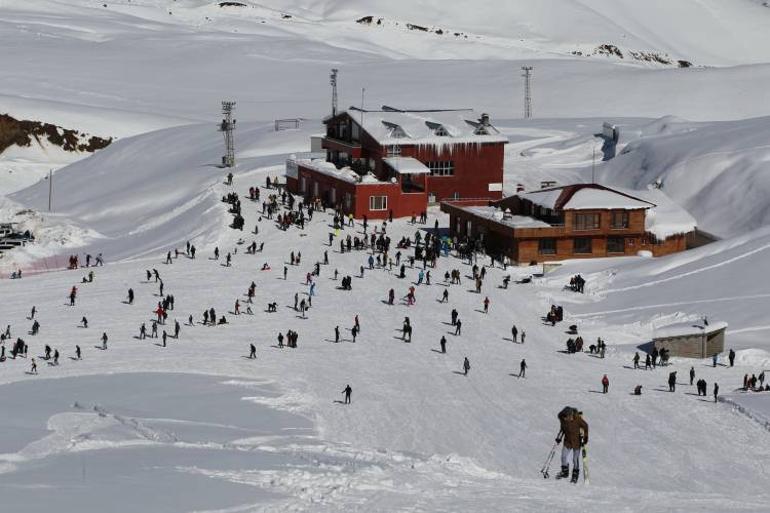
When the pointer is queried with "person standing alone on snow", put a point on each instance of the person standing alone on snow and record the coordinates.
(574, 432)
(605, 384)
(347, 391)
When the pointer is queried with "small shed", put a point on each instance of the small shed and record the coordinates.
(691, 340)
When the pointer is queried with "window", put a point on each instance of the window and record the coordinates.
(394, 150)
(348, 200)
(619, 219)
(455, 195)
(547, 246)
(378, 202)
(586, 222)
(616, 245)
(468, 228)
(442, 168)
(441, 132)
(583, 245)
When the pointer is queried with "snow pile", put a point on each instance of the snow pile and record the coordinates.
(719, 172)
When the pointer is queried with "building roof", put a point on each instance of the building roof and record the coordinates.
(345, 174)
(498, 216)
(585, 196)
(407, 165)
(666, 218)
(390, 126)
(683, 329)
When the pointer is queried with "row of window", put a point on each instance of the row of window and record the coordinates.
(618, 221)
(582, 245)
(441, 167)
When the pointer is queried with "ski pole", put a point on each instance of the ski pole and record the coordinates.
(548, 460)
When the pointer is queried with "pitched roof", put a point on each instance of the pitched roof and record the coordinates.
(585, 196)
(391, 126)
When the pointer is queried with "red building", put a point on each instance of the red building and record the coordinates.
(397, 162)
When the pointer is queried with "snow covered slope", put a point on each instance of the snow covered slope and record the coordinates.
(147, 193)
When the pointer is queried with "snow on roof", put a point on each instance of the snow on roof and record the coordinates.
(498, 216)
(683, 329)
(397, 127)
(345, 173)
(407, 165)
(666, 218)
(585, 197)
(546, 198)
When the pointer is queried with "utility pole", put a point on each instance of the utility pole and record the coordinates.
(227, 127)
(527, 91)
(333, 82)
(50, 188)
(363, 92)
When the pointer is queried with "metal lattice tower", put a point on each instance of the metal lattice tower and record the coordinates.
(333, 82)
(227, 127)
(527, 91)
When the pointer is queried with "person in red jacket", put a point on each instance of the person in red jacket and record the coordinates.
(605, 384)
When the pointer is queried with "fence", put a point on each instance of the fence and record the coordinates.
(287, 124)
(37, 266)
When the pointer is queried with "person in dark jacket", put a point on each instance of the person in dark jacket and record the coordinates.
(672, 382)
(574, 432)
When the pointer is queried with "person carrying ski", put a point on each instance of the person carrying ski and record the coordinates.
(574, 432)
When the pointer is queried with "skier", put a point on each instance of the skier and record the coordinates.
(716, 391)
(445, 296)
(636, 361)
(466, 366)
(731, 357)
(458, 327)
(252, 351)
(32, 313)
(574, 432)
(605, 384)
(336, 334)
(514, 332)
(523, 368)
(142, 332)
(104, 341)
(486, 305)
(130, 296)
(672, 382)
(347, 391)
(692, 374)
(164, 338)
(84, 322)
(443, 344)
(33, 369)
(77, 352)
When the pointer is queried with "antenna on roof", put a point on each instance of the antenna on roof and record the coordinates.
(527, 91)
(333, 82)
(363, 91)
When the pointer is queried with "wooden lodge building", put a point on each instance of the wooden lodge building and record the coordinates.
(574, 221)
(393, 162)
